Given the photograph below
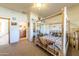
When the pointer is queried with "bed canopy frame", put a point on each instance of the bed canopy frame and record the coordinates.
(64, 24)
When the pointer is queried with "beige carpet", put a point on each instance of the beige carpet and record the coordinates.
(22, 48)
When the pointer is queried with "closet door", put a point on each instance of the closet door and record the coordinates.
(78, 40)
(14, 32)
(4, 31)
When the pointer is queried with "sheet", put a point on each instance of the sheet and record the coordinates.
(57, 40)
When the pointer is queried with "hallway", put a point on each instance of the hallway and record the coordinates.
(23, 48)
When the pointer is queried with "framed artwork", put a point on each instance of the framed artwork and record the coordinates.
(13, 23)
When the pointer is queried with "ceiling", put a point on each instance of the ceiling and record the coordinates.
(50, 8)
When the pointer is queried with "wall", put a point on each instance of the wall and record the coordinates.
(14, 30)
(56, 19)
(73, 16)
(33, 19)
(54, 23)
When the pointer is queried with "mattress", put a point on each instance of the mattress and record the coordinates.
(57, 40)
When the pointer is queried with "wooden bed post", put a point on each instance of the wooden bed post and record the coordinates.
(64, 23)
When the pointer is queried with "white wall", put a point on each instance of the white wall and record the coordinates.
(73, 16)
(20, 17)
(52, 24)
(33, 18)
(56, 19)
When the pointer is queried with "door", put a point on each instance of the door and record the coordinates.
(14, 31)
(78, 40)
(4, 30)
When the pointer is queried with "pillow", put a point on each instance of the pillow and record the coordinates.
(43, 41)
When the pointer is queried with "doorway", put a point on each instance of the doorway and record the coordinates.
(4, 31)
(22, 31)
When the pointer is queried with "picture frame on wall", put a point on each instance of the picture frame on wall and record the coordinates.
(13, 23)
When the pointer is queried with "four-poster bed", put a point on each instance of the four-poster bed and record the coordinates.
(56, 42)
